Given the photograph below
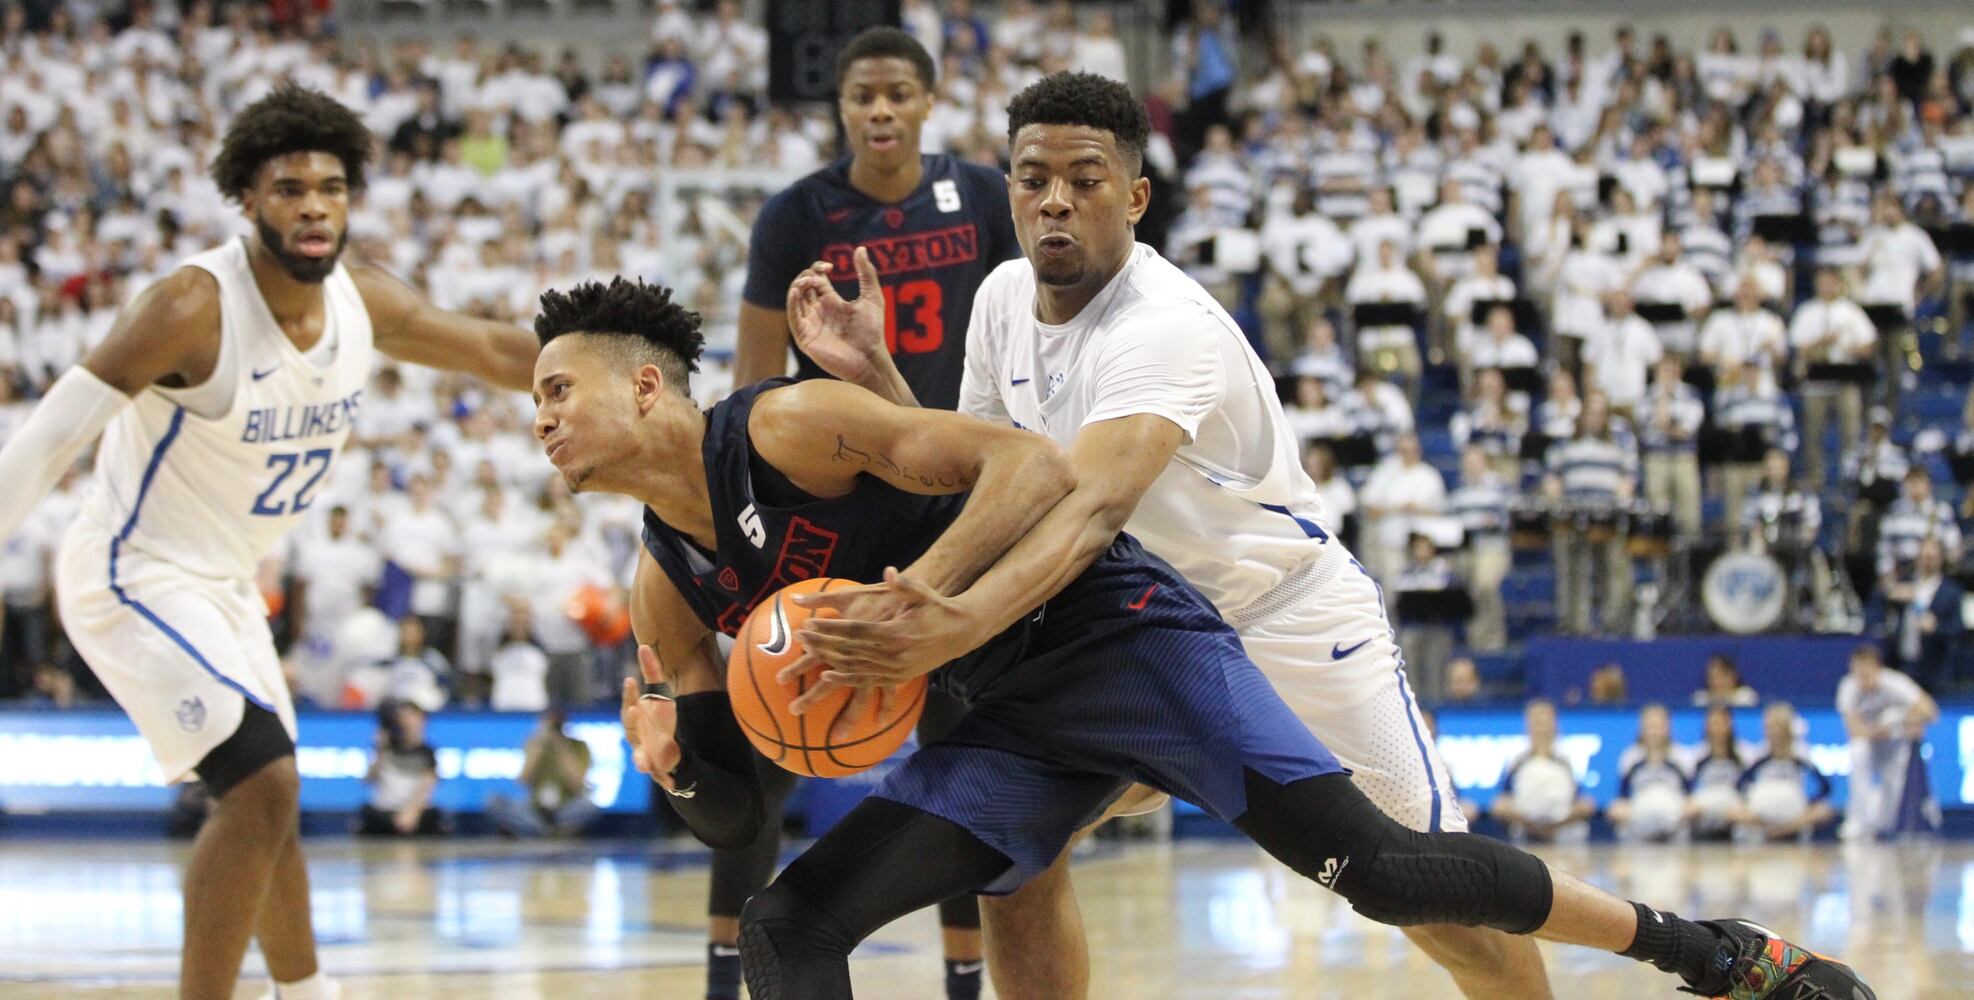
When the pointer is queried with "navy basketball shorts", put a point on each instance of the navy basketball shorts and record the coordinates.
(1129, 676)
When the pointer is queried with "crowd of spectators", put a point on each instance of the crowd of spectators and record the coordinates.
(1480, 278)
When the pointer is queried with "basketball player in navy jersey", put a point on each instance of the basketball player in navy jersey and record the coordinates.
(922, 231)
(1125, 674)
(222, 395)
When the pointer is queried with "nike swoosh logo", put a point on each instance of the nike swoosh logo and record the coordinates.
(1018, 381)
(258, 375)
(1139, 604)
(725, 951)
(968, 968)
(778, 637)
(837, 216)
(1338, 652)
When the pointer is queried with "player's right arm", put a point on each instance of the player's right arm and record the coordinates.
(171, 332)
(689, 743)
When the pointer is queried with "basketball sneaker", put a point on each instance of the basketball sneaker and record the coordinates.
(319, 988)
(1755, 963)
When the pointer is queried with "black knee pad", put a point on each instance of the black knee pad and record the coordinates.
(780, 933)
(1450, 878)
(1328, 831)
(261, 740)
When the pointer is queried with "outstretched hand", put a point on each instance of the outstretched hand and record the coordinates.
(844, 337)
(651, 722)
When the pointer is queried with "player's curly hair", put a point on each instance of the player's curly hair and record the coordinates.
(886, 43)
(634, 312)
(290, 119)
(1084, 99)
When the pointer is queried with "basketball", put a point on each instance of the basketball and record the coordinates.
(801, 743)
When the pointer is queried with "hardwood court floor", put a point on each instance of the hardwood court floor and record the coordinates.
(479, 920)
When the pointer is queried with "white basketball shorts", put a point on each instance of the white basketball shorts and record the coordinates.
(1332, 657)
(183, 654)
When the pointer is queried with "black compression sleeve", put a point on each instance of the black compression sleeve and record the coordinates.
(718, 795)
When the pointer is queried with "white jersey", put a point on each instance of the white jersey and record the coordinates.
(210, 478)
(1234, 512)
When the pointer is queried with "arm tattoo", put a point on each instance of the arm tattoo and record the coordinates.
(879, 461)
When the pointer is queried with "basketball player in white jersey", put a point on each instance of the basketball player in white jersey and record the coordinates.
(222, 396)
(1178, 437)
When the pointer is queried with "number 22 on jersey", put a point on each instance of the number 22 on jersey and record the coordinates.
(311, 465)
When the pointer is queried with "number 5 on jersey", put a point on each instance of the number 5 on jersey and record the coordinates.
(313, 464)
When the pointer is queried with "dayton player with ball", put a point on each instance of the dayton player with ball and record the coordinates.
(1126, 674)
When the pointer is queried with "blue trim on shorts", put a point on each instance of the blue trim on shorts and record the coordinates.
(1411, 715)
(116, 545)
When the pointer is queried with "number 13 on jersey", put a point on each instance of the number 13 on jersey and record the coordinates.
(914, 323)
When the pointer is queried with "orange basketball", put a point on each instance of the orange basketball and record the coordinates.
(801, 743)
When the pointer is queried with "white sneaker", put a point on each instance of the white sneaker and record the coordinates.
(329, 990)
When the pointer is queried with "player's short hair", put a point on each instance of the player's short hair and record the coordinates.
(1084, 99)
(290, 119)
(641, 318)
(886, 43)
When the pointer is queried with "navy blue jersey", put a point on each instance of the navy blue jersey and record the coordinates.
(931, 250)
(771, 534)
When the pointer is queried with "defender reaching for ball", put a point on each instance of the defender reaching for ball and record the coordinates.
(1126, 675)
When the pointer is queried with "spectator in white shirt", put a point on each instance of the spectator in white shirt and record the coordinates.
(335, 574)
(1305, 254)
(1501, 347)
(519, 667)
(1671, 280)
(422, 540)
(1617, 359)
(1334, 489)
(1829, 329)
(1193, 245)
(1747, 333)
(1098, 49)
(1885, 714)
(1380, 224)
(1388, 348)
(1447, 235)
(1456, 324)
(1401, 490)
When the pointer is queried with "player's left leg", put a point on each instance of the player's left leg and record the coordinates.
(952, 819)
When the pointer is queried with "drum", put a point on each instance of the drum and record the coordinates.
(1651, 534)
(1744, 592)
(1528, 526)
(1600, 524)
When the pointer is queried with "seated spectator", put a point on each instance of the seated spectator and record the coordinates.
(1539, 800)
(1481, 504)
(1785, 797)
(1927, 624)
(519, 667)
(1455, 326)
(1317, 416)
(1381, 409)
(418, 675)
(1608, 685)
(1651, 803)
(554, 769)
(1192, 246)
(402, 777)
(1886, 714)
(1449, 233)
(1463, 681)
(1723, 686)
(1715, 793)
